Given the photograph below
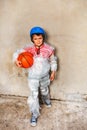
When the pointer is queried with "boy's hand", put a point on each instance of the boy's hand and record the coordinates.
(52, 76)
(18, 63)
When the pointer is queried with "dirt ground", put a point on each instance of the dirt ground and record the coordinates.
(63, 115)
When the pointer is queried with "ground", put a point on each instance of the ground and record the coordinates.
(63, 115)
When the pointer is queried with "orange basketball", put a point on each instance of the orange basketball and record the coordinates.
(26, 59)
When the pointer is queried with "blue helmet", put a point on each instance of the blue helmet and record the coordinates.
(37, 30)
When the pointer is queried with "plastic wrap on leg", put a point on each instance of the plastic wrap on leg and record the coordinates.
(34, 106)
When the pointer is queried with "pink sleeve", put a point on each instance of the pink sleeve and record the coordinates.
(51, 51)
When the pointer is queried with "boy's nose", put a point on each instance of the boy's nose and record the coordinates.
(38, 41)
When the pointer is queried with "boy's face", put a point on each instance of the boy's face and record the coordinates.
(37, 40)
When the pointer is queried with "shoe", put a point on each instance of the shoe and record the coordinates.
(33, 121)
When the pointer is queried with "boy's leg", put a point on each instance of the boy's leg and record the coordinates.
(44, 88)
(33, 100)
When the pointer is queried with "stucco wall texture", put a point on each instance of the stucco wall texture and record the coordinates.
(65, 22)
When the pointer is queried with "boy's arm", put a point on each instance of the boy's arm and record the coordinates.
(15, 55)
(52, 76)
(28, 47)
(53, 63)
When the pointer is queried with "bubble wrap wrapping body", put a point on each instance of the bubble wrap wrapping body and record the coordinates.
(38, 74)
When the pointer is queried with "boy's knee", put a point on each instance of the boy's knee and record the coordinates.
(44, 90)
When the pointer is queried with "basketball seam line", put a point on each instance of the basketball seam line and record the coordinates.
(26, 59)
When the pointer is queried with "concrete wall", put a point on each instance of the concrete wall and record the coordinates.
(66, 24)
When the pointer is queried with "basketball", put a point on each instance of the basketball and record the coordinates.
(26, 59)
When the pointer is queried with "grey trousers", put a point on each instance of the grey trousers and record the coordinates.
(33, 99)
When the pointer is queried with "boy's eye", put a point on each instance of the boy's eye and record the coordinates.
(35, 38)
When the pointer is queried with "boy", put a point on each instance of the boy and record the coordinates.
(39, 75)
